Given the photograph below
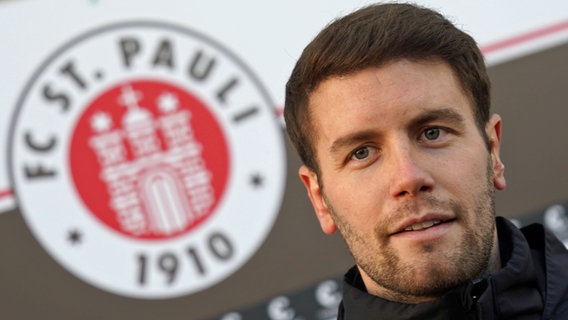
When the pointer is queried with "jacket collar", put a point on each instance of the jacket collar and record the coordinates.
(498, 294)
(553, 270)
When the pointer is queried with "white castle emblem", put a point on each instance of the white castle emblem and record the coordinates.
(163, 188)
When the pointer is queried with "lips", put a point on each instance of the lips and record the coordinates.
(422, 223)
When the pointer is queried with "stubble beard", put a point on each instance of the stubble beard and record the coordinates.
(408, 282)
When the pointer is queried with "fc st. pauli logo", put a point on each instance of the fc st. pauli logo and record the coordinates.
(147, 160)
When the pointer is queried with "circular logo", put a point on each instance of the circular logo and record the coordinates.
(147, 159)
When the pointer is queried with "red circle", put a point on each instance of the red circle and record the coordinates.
(149, 160)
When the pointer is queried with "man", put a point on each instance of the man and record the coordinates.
(388, 108)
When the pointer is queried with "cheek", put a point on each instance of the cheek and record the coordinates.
(358, 194)
(465, 177)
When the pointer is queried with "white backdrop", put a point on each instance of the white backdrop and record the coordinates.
(267, 36)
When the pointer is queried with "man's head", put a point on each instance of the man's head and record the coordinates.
(389, 110)
(375, 36)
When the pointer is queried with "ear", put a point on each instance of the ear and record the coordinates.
(310, 180)
(493, 130)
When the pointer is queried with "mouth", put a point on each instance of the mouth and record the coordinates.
(424, 224)
(426, 230)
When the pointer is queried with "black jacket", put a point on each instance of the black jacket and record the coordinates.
(532, 284)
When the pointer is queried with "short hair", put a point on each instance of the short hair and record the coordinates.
(372, 37)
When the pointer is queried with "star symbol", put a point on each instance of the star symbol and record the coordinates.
(257, 180)
(168, 102)
(99, 75)
(75, 236)
(101, 122)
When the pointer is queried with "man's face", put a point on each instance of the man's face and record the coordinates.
(406, 177)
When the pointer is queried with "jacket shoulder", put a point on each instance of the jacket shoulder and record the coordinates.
(554, 257)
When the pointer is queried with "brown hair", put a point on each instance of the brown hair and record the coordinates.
(374, 36)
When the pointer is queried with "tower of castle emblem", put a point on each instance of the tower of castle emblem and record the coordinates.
(152, 165)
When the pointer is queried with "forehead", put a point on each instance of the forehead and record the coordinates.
(383, 97)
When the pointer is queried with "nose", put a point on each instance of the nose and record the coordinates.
(408, 176)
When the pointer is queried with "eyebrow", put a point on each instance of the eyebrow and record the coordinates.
(446, 115)
(351, 139)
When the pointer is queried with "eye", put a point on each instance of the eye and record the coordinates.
(432, 133)
(363, 153)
